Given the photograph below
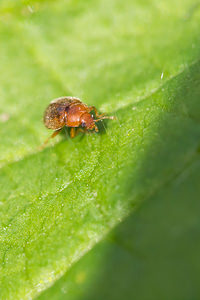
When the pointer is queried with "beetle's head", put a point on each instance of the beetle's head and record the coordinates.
(88, 122)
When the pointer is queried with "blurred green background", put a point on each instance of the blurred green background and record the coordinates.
(112, 215)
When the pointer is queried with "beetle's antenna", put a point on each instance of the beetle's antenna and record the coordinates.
(105, 117)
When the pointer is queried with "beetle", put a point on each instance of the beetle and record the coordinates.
(71, 112)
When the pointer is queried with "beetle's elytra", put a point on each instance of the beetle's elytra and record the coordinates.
(71, 112)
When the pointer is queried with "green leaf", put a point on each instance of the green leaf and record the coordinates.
(138, 61)
(154, 254)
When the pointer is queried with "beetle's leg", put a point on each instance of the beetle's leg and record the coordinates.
(72, 132)
(96, 111)
(51, 137)
(90, 108)
(99, 116)
(79, 129)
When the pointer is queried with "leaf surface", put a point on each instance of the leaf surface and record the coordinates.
(138, 61)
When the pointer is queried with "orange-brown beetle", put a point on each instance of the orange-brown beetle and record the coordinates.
(71, 112)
